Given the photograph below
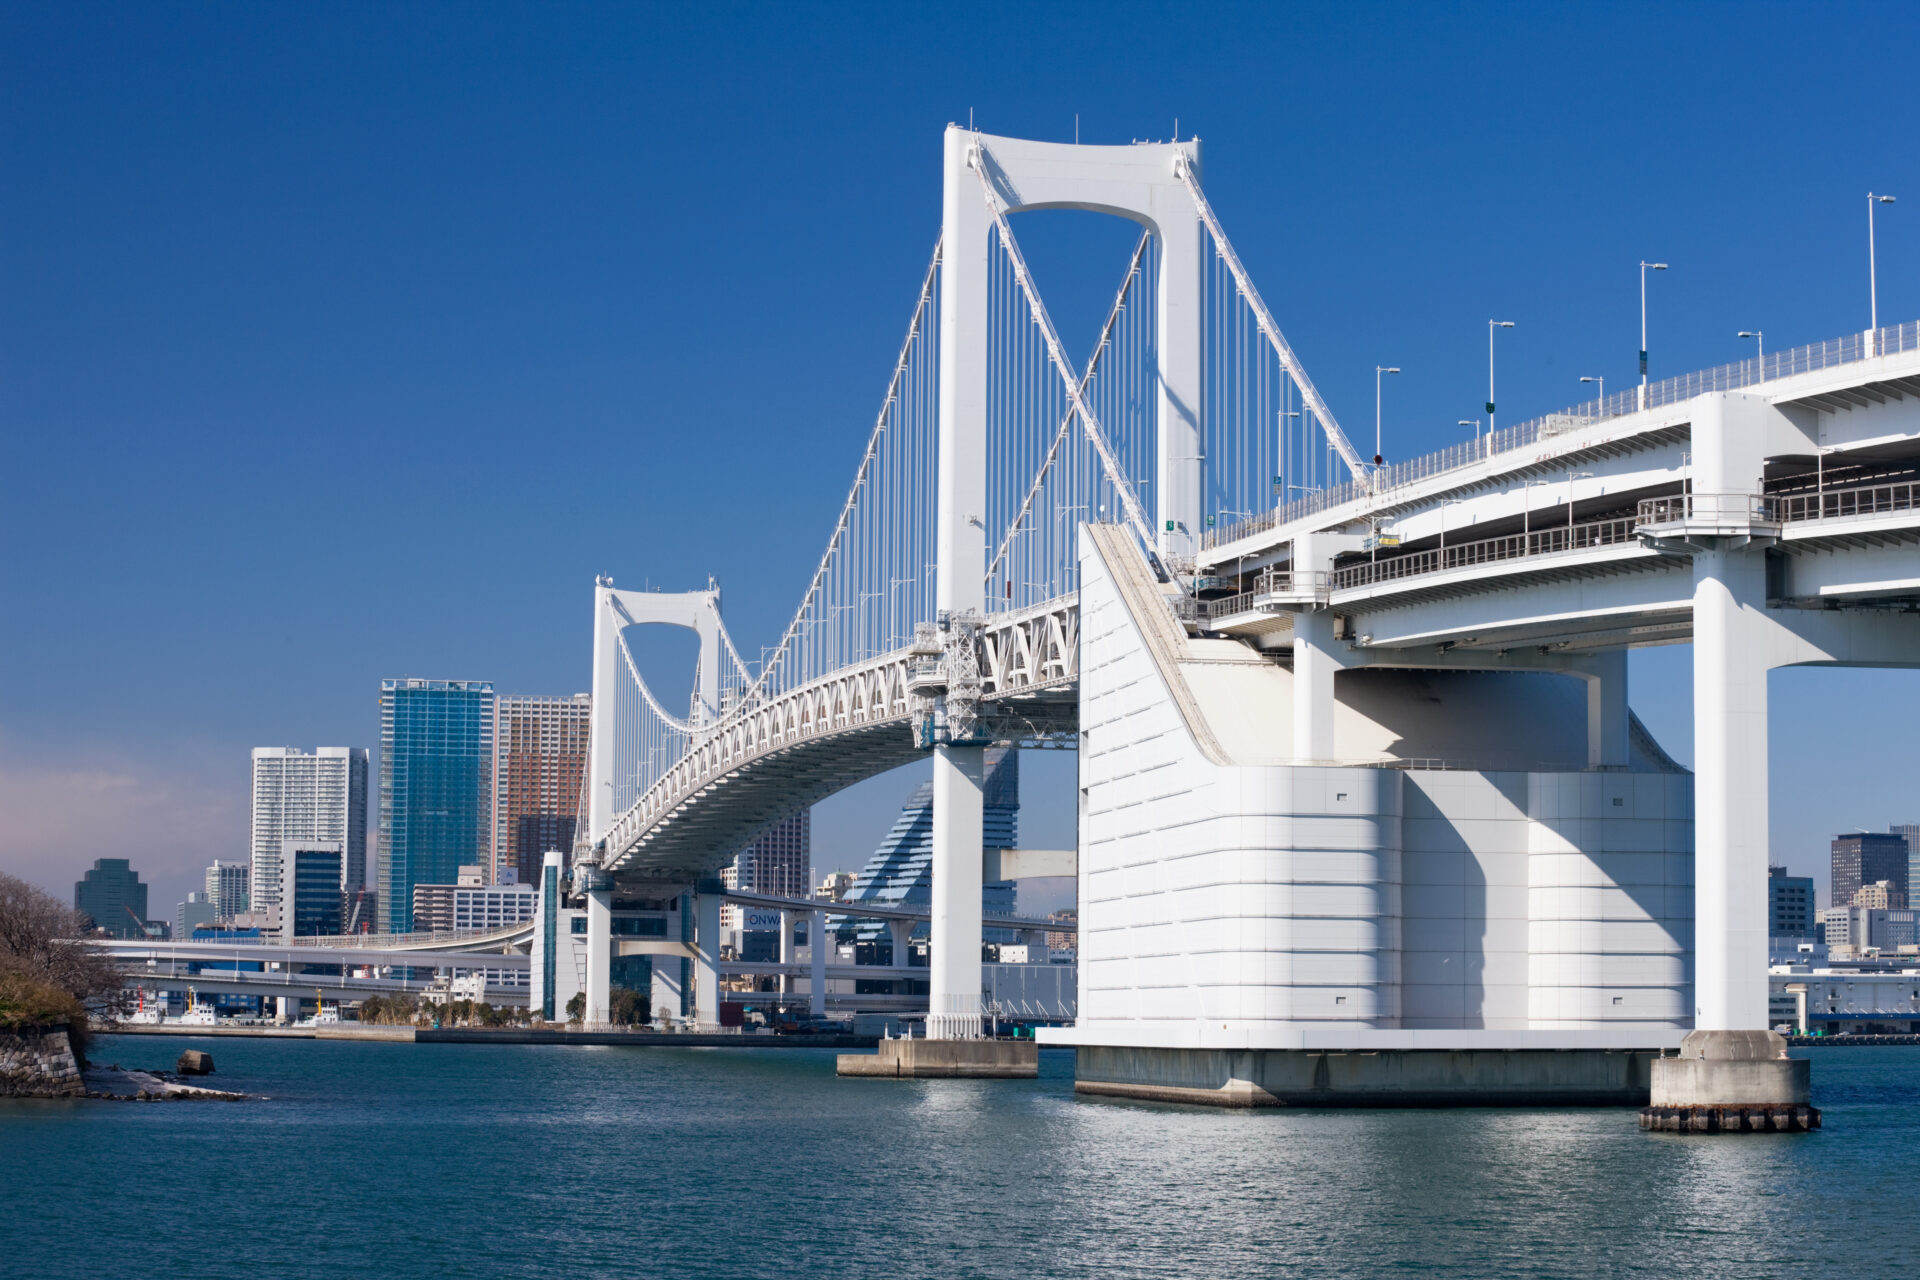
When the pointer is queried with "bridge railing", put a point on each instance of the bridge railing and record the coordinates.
(1734, 509)
(1271, 583)
(1465, 555)
(1839, 503)
(1815, 356)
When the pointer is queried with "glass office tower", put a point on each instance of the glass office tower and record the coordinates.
(436, 787)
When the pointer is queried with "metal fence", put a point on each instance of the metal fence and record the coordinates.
(1518, 546)
(1811, 358)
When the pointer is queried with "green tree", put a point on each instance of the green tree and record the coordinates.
(577, 1007)
(630, 1007)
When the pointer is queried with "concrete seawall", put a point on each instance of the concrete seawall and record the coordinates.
(512, 1035)
(38, 1064)
(1384, 1078)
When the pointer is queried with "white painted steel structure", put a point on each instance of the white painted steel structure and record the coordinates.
(1281, 836)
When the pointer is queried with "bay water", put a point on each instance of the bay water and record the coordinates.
(517, 1161)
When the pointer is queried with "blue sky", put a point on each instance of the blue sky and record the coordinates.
(353, 342)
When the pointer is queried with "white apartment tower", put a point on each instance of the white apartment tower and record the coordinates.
(297, 796)
(227, 888)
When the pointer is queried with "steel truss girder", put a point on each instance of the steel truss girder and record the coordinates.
(833, 732)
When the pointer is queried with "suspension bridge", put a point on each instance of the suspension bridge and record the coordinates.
(1357, 767)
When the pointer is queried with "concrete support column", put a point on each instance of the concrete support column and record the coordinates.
(953, 1009)
(899, 935)
(1314, 664)
(785, 954)
(1607, 736)
(706, 975)
(599, 894)
(1730, 790)
(817, 963)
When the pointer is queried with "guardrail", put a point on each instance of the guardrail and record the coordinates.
(1465, 555)
(1849, 349)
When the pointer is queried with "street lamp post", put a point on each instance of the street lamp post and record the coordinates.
(1601, 412)
(1526, 514)
(1475, 424)
(1378, 369)
(1491, 326)
(1449, 502)
(1873, 276)
(1645, 267)
(1571, 477)
(1760, 338)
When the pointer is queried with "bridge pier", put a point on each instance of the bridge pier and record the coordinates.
(953, 1007)
(817, 964)
(597, 885)
(1731, 1058)
(1315, 662)
(706, 976)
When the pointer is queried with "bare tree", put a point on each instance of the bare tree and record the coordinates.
(42, 939)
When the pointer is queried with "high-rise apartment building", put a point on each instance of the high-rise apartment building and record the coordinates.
(901, 869)
(1862, 857)
(112, 896)
(1790, 905)
(436, 787)
(539, 762)
(297, 796)
(779, 862)
(227, 888)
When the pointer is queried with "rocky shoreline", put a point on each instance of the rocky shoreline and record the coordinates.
(40, 1063)
(120, 1084)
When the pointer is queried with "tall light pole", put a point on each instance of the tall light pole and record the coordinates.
(1491, 326)
(1602, 411)
(1761, 339)
(1645, 267)
(1378, 369)
(1873, 276)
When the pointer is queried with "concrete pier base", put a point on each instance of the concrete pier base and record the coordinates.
(1731, 1082)
(982, 1059)
(1381, 1078)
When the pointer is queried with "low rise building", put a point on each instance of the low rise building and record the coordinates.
(471, 903)
(310, 898)
(191, 914)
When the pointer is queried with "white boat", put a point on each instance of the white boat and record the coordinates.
(147, 1014)
(329, 1015)
(197, 1014)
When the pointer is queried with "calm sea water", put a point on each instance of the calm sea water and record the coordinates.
(495, 1161)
